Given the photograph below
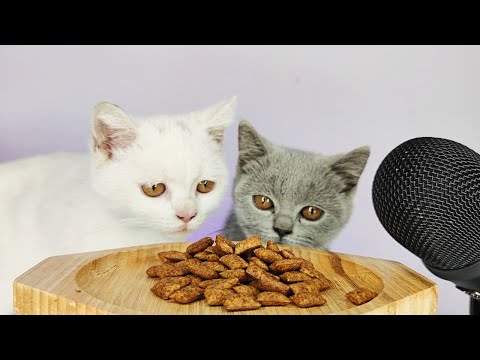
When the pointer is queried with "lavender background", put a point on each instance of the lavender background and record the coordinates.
(322, 98)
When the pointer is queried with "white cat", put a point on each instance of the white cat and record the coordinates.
(147, 180)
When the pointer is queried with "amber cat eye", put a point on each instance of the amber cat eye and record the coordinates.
(205, 186)
(154, 190)
(262, 202)
(312, 213)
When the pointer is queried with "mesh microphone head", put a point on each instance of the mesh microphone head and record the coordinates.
(426, 194)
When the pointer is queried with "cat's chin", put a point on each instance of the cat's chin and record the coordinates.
(179, 235)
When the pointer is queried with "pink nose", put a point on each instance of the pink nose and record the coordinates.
(186, 217)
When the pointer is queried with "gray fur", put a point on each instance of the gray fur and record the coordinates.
(293, 179)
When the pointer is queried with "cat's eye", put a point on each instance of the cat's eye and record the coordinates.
(311, 213)
(205, 186)
(262, 202)
(154, 190)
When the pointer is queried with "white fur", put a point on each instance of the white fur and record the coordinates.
(68, 203)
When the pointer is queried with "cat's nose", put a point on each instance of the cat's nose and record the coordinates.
(282, 232)
(186, 217)
(283, 225)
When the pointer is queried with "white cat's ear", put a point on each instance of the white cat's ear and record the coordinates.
(350, 166)
(112, 129)
(251, 145)
(218, 117)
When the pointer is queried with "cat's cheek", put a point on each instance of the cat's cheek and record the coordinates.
(167, 195)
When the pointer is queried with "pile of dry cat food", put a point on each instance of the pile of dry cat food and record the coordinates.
(242, 276)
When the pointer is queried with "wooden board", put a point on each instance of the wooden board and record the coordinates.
(114, 282)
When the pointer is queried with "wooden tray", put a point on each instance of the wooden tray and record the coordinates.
(114, 282)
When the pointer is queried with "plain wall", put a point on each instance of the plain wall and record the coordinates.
(326, 99)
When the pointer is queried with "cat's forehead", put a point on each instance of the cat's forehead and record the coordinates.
(168, 134)
(167, 124)
(172, 148)
(294, 176)
(294, 167)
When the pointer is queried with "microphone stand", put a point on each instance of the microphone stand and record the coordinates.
(465, 279)
(474, 306)
(474, 300)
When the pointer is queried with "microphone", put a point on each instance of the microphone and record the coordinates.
(426, 194)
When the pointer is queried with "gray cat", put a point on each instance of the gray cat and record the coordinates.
(291, 196)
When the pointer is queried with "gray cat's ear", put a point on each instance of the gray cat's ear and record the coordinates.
(218, 117)
(251, 145)
(111, 129)
(350, 166)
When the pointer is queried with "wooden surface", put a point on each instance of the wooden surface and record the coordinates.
(114, 282)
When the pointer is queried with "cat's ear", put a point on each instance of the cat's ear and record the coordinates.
(112, 129)
(350, 166)
(218, 117)
(251, 145)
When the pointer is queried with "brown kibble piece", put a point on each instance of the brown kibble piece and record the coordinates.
(168, 270)
(183, 281)
(303, 286)
(165, 261)
(287, 254)
(216, 296)
(185, 263)
(152, 270)
(256, 285)
(308, 268)
(206, 283)
(202, 271)
(294, 276)
(314, 285)
(165, 287)
(219, 251)
(164, 291)
(360, 296)
(269, 284)
(224, 246)
(215, 265)
(239, 274)
(195, 280)
(206, 256)
(251, 243)
(173, 255)
(272, 246)
(246, 290)
(220, 283)
(200, 245)
(322, 284)
(268, 256)
(233, 261)
(211, 249)
(248, 254)
(187, 294)
(256, 261)
(269, 298)
(308, 299)
(241, 302)
(227, 240)
(272, 276)
(226, 284)
(285, 265)
(255, 271)
(307, 264)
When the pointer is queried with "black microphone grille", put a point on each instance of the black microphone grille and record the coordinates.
(426, 194)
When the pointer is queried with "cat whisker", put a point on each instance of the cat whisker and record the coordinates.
(305, 242)
(133, 221)
(138, 222)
